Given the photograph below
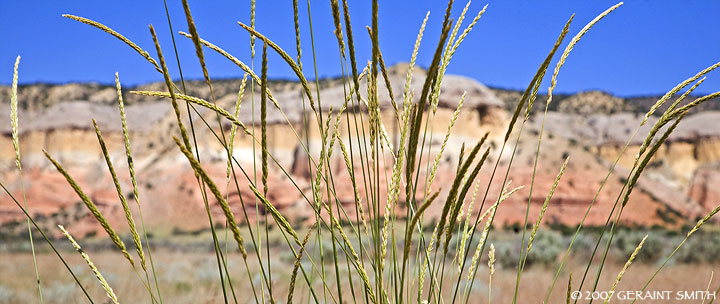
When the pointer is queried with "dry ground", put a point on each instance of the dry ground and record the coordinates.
(191, 277)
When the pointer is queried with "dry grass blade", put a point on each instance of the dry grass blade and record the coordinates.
(413, 58)
(229, 216)
(677, 88)
(569, 290)
(451, 39)
(545, 206)
(638, 167)
(279, 218)
(296, 265)
(170, 86)
(351, 172)
(452, 195)
(693, 104)
(133, 179)
(335, 6)
(383, 71)
(667, 117)
(118, 36)
(420, 109)
(356, 259)
(237, 62)
(126, 137)
(451, 48)
(707, 289)
(287, 58)
(121, 196)
(448, 10)
(490, 214)
(16, 145)
(491, 270)
(196, 41)
(414, 221)
(466, 226)
(389, 167)
(375, 42)
(93, 209)
(631, 183)
(455, 213)
(351, 48)
(466, 31)
(108, 290)
(296, 19)
(14, 114)
(322, 162)
(625, 267)
(263, 120)
(394, 190)
(376, 119)
(198, 101)
(702, 221)
(678, 115)
(686, 94)
(536, 80)
(571, 45)
(252, 25)
(438, 157)
(695, 228)
(233, 128)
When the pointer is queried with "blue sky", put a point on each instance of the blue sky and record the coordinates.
(644, 47)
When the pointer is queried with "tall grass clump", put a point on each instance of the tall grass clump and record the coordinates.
(385, 245)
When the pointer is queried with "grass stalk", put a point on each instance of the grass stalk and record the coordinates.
(18, 163)
(625, 267)
(121, 196)
(133, 179)
(108, 290)
(114, 237)
(491, 270)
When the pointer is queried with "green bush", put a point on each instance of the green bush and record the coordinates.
(703, 247)
(545, 250)
(627, 240)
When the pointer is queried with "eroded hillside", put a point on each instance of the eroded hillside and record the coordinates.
(590, 127)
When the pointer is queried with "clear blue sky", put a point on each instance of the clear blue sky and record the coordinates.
(644, 47)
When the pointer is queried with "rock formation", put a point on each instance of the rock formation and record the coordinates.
(590, 127)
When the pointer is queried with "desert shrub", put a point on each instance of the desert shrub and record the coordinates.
(508, 254)
(584, 244)
(704, 247)
(627, 240)
(546, 248)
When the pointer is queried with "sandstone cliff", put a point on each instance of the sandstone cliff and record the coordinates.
(590, 127)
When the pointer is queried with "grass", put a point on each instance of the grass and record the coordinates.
(187, 273)
(101, 279)
(16, 145)
(378, 256)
